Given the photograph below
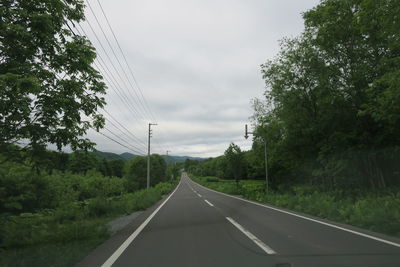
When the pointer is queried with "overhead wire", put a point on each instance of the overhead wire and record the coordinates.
(112, 139)
(110, 79)
(138, 101)
(131, 147)
(108, 76)
(143, 108)
(112, 64)
(126, 62)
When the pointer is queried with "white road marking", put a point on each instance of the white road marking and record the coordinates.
(198, 194)
(129, 240)
(309, 219)
(208, 202)
(252, 237)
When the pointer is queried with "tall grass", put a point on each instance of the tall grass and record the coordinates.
(377, 211)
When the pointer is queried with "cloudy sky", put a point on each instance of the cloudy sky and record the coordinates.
(196, 62)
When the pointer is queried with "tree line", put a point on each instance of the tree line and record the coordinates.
(27, 187)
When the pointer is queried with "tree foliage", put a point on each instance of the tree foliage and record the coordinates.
(333, 97)
(234, 159)
(49, 92)
(136, 172)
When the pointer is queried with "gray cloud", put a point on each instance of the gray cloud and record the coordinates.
(198, 65)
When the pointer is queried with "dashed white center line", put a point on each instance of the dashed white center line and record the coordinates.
(208, 202)
(198, 194)
(252, 237)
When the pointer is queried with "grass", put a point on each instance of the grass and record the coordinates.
(63, 236)
(378, 211)
(52, 254)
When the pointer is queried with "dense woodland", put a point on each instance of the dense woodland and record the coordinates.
(331, 112)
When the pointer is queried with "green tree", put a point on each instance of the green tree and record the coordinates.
(104, 167)
(49, 92)
(235, 160)
(158, 169)
(81, 162)
(116, 167)
(136, 174)
(173, 170)
(332, 96)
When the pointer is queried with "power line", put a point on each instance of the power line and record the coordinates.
(118, 61)
(126, 61)
(124, 57)
(112, 139)
(133, 136)
(113, 81)
(106, 72)
(109, 59)
(123, 140)
(129, 146)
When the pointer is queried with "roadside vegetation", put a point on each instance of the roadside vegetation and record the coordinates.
(55, 217)
(330, 120)
(54, 206)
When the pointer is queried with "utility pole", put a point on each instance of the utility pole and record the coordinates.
(148, 156)
(246, 135)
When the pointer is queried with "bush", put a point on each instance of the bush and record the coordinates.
(30, 229)
(22, 190)
(212, 179)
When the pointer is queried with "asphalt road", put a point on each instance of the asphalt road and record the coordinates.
(196, 226)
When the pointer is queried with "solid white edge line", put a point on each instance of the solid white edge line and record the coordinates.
(306, 218)
(110, 261)
(208, 202)
(252, 237)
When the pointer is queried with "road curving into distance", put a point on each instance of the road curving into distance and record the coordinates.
(196, 226)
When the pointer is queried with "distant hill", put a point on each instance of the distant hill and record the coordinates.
(107, 155)
(171, 159)
(127, 156)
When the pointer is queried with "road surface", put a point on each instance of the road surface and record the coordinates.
(196, 226)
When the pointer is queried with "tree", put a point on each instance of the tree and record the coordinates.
(158, 169)
(49, 92)
(136, 174)
(103, 167)
(173, 170)
(116, 167)
(235, 160)
(332, 96)
(81, 162)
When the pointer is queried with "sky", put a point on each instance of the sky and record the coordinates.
(194, 66)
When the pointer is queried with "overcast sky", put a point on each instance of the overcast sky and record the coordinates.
(197, 64)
